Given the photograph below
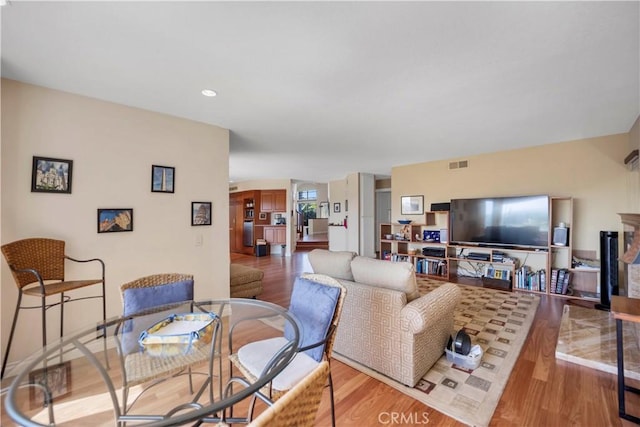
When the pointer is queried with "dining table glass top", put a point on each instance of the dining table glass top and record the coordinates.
(166, 366)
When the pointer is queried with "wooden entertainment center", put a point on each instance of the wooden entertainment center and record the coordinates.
(546, 270)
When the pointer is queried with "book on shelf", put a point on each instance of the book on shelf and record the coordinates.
(400, 258)
(565, 282)
(560, 281)
(431, 267)
(554, 280)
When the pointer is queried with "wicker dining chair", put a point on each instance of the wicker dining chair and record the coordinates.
(299, 406)
(141, 295)
(37, 265)
(252, 358)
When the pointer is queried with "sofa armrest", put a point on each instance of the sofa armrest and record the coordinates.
(421, 313)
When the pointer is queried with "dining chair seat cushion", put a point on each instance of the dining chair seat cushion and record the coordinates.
(255, 356)
(313, 304)
(138, 299)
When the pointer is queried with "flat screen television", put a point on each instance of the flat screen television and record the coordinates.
(509, 222)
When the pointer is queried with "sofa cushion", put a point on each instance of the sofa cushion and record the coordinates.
(398, 276)
(336, 264)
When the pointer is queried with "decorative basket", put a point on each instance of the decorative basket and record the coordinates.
(178, 334)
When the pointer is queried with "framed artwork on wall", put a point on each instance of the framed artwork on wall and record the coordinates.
(200, 213)
(162, 179)
(115, 220)
(412, 205)
(336, 207)
(50, 175)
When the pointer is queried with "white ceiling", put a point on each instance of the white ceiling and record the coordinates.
(316, 90)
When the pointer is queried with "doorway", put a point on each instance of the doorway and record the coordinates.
(383, 213)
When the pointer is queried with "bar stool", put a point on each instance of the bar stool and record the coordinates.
(35, 261)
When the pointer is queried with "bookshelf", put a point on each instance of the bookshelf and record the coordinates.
(549, 270)
(418, 243)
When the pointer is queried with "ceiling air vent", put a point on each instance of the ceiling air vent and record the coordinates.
(459, 165)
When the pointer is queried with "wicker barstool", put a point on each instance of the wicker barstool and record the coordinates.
(299, 406)
(36, 261)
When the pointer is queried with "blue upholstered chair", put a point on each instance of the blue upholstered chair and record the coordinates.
(141, 295)
(316, 301)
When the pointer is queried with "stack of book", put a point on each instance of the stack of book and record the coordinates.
(431, 267)
(560, 281)
(530, 280)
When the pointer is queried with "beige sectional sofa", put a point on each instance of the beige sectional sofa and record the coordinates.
(386, 325)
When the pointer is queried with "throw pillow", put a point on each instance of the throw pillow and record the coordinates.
(138, 299)
(398, 276)
(313, 304)
(336, 264)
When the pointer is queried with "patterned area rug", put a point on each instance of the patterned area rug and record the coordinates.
(496, 320)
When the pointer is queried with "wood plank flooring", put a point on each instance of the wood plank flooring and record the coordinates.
(541, 391)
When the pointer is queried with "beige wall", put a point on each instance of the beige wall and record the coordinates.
(112, 148)
(592, 171)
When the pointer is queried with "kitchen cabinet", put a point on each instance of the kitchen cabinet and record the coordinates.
(273, 201)
(276, 235)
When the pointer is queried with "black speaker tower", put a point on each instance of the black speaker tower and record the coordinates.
(608, 268)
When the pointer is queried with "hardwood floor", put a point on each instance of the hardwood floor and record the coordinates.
(541, 391)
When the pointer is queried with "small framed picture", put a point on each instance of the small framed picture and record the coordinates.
(162, 179)
(115, 220)
(336, 207)
(51, 175)
(412, 205)
(200, 213)
(262, 216)
(56, 378)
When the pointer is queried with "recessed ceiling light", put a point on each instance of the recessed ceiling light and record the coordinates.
(209, 92)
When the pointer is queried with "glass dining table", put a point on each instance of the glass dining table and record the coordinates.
(168, 365)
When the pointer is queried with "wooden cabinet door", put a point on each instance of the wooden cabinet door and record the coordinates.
(275, 235)
(267, 203)
(270, 234)
(280, 201)
(273, 201)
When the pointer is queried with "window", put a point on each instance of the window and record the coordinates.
(306, 211)
(308, 195)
